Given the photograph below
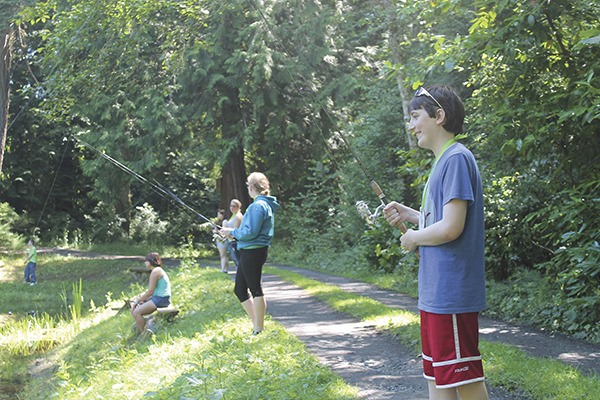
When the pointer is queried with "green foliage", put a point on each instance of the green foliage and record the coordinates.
(576, 259)
(146, 225)
(530, 299)
(510, 243)
(8, 219)
(311, 217)
(382, 247)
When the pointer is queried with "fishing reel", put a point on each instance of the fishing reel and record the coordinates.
(363, 210)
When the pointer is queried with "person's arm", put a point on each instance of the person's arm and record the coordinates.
(154, 277)
(449, 228)
(251, 223)
(237, 222)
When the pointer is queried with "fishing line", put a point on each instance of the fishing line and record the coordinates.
(51, 187)
(156, 187)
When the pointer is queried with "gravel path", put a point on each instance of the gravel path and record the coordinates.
(376, 363)
(580, 354)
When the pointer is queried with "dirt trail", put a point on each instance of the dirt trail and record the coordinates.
(538, 343)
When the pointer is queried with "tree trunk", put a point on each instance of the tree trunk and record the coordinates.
(5, 65)
(123, 205)
(393, 27)
(232, 184)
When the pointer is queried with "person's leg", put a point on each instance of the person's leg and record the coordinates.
(241, 289)
(224, 258)
(235, 255)
(248, 306)
(32, 277)
(441, 394)
(26, 274)
(260, 309)
(253, 263)
(473, 391)
(138, 314)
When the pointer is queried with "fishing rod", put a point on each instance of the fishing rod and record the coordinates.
(155, 186)
(361, 206)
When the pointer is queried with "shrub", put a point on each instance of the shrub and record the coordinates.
(146, 225)
(8, 217)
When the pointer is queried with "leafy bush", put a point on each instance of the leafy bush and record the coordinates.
(146, 225)
(106, 227)
(8, 217)
(381, 246)
(529, 298)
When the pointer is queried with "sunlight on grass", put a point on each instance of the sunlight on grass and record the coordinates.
(513, 368)
(206, 352)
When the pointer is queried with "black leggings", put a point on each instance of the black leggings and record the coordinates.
(249, 273)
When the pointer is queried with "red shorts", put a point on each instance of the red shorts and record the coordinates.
(450, 345)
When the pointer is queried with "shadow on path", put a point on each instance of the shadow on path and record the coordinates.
(375, 363)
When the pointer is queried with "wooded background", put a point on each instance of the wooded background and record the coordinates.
(196, 94)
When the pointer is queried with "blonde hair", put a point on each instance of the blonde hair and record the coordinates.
(260, 183)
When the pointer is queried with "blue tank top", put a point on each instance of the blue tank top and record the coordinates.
(163, 287)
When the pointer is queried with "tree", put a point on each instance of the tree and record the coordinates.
(8, 33)
(253, 80)
(108, 80)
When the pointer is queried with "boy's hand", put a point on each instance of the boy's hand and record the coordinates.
(408, 240)
(395, 214)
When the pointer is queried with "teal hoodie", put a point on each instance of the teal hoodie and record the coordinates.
(258, 224)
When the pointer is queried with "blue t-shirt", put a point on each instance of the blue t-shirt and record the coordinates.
(452, 275)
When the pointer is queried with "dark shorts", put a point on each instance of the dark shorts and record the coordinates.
(450, 349)
(161, 302)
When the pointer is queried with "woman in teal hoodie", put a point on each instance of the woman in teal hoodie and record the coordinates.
(253, 241)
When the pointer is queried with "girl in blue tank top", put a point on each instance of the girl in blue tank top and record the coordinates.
(158, 294)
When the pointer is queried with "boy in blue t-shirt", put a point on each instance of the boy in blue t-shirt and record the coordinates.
(450, 240)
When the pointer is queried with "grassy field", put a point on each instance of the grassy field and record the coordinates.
(49, 349)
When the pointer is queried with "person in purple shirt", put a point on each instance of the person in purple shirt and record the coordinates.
(450, 241)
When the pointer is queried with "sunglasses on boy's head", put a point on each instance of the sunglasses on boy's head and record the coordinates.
(423, 92)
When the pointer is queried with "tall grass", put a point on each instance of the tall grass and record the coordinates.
(74, 309)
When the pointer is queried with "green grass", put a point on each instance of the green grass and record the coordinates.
(505, 365)
(207, 352)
